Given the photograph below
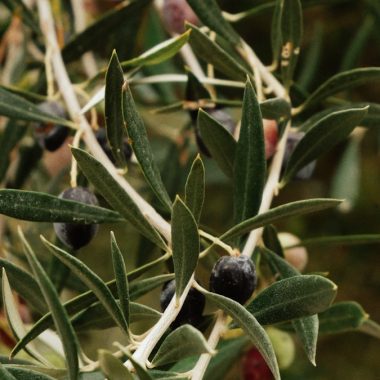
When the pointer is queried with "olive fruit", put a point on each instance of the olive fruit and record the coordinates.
(234, 277)
(77, 235)
(192, 309)
(101, 136)
(51, 136)
(255, 367)
(270, 137)
(175, 13)
(293, 139)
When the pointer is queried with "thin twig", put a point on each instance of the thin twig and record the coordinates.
(69, 96)
(217, 331)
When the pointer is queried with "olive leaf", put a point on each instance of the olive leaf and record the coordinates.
(182, 342)
(195, 188)
(326, 133)
(340, 82)
(219, 142)
(142, 149)
(249, 164)
(112, 367)
(41, 207)
(291, 36)
(93, 281)
(115, 195)
(210, 14)
(120, 277)
(114, 109)
(59, 314)
(250, 325)
(18, 108)
(185, 242)
(277, 213)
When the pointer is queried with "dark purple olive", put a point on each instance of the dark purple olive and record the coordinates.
(234, 277)
(51, 136)
(101, 136)
(192, 309)
(77, 235)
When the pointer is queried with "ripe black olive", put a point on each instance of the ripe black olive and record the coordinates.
(51, 136)
(77, 235)
(192, 309)
(234, 277)
(101, 136)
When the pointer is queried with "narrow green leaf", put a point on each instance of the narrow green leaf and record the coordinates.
(249, 163)
(16, 107)
(371, 118)
(59, 314)
(340, 240)
(14, 318)
(27, 374)
(275, 34)
(160, 52)
(346, 180)
(341, 317)
(93, 36)
(114, 109)
(271, 240)
(12, 134)
(92, 280)
(96, 317)
(182, 342)
(307, 331)
(291, 36)
(307, 327)
(250, 325)
(138, 289)
(25, 285)
(280, 212)
(326, 133)
(141, 372)
(41, 207)
(312, 59)
(211, 52)
(85, 300)
(121, 278)
(141, 148)
(218, 141)
(185, 243)
(341, 82)
(210, 14)
(292, 298)
(5, 375)
(275, 108)
(195, 188)
(358, 43)
(112, 367)
(115, 195)
(371, 328)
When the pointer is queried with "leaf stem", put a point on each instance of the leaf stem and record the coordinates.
(169, 315)
(217, 331)
(270, 190)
